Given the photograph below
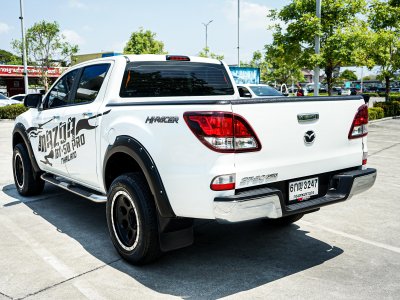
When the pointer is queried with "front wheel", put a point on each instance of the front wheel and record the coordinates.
(284, 221)
(27, 181)
(132, 219)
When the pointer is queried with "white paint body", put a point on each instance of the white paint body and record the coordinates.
(186, 166)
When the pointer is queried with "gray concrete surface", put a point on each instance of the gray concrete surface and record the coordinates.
(56, 246)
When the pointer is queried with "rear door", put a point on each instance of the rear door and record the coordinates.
(298, 139)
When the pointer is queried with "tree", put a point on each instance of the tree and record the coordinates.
(206, 53)
(8, 58)
(45, 46)
(341, 33)
(257, 61)
(384, 47)
(281, 61)
(144, 42)
(348, 75)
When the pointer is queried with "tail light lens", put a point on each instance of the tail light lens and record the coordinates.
(223, 183)
(223, 131)
(359, 128)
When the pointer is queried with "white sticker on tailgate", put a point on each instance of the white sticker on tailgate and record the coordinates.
(303, 189)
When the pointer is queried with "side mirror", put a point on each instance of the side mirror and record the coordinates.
(33, 100)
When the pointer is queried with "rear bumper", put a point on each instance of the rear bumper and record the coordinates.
(270, 203)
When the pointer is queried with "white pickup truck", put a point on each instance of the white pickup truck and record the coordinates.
(166, 139)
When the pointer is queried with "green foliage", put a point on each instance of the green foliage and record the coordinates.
(12, 111)
(206, 53)
(7, 58)
(45, 44)
(375, 113)
(384, 42)
(348, 75)
(340, 30)
(144, 42)
(391, 108)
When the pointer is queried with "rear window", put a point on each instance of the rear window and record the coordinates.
(263, 90)
(175, 78)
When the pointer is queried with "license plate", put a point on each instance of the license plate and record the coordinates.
(303, 189)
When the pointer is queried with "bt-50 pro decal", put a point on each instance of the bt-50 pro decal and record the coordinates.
(63, 140)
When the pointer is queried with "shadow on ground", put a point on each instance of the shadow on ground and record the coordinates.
(224, 260)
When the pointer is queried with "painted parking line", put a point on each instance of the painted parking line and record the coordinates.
(351, 236)
(50, 259)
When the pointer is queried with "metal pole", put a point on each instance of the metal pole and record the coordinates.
(361, 83)
(238, 34)
(206, 26)
(21, 5)
(317, 51)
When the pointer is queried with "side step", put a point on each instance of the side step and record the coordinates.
(74, 188)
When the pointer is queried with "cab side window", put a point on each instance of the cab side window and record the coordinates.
(90, 83)
(60, 94)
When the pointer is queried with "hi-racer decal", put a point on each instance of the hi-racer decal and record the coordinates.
(63, 140)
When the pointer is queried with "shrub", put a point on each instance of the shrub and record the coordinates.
(375, 113)
(371, 94)
(391, 108)
(12, 111)
(372, 113)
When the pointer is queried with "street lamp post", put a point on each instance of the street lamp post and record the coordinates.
(206, 26)
(21, 5)
(317, 51)
(238, 33)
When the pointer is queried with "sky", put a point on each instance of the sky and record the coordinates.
(106, 25)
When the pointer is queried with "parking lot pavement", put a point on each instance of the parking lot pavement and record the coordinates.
(56, 246)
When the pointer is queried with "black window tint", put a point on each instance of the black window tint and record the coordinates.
(59, 94)
(173, 78)
(90, 83)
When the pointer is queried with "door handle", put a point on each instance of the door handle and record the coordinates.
(87, 115)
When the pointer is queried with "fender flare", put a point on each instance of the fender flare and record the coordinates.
(21, 130)
(130, 146)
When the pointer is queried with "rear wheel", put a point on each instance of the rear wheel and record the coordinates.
(284, 221)
(27, 181)
(132, 219)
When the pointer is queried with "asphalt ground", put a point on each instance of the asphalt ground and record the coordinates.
(56, 246)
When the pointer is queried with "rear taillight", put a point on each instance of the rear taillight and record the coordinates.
(223, 183)
(364, 158)
(223, 131)
(359, 128)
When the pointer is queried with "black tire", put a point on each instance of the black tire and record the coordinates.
(132, 219)
(27, 181)
(284, 221)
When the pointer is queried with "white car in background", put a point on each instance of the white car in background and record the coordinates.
(4, 101)
(258, 91)
(19, 97)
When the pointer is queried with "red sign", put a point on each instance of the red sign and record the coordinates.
(18, 71)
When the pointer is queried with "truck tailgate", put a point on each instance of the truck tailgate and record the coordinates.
(285, 153)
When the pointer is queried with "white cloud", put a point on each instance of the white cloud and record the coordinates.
(4, 28)
(76, 4)
(73, 37)
(252, 15)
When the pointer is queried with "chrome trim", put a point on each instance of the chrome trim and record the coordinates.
(237, 211)
(308, 117)
(362, 183)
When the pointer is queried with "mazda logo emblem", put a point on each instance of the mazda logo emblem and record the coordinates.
(309, 137)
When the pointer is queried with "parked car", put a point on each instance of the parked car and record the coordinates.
(186, 146)
(4, 101)
(19, 97)
(257, 91)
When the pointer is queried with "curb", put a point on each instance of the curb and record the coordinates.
(7, 120)
(383, 119)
